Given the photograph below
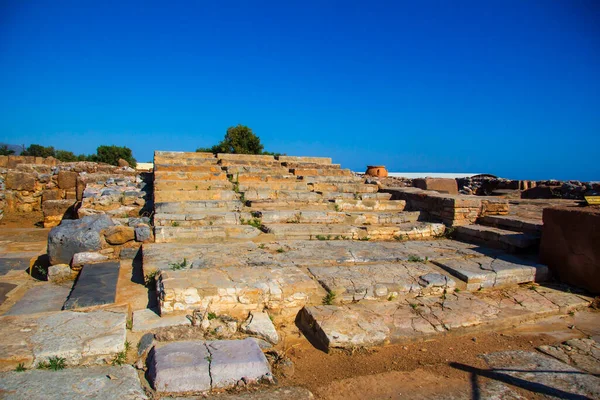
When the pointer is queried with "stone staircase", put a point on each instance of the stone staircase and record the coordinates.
(200, 196)
(511, 233)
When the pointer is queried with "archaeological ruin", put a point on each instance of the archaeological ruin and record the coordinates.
(239, 276)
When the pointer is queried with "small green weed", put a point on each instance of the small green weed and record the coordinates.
(255, 222)
(414, 306)
(261, 246)
(281, 250)
(321, 237)
(208, 358)
(457, 290)
(391, 297)
(415, 259)
(120, 358)
(128, 325)
(150, 278)
(174, 224)
(179, 265)
(329, 298)
(20, 368)
(337, 208)
(127, 345)
(54, 363)
(364, 239)
(41, 270)
(211, 316)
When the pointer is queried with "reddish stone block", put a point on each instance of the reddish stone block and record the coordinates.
(441, 185)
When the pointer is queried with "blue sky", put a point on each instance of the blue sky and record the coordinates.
(505, 87)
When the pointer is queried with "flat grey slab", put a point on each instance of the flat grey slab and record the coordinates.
(105, 383)
(96, 285)
(582, 353)
(12, 264)
(180, 367)
(41, 298)
(79, 338)
(197, 366)
(232, 360)
(484, 272)
(149, 319)
(542, 374)
(5, 288)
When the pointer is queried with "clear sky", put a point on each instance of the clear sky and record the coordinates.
(507, 87)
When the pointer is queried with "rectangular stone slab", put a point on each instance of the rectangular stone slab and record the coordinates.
(378, 323)
(485, 272)
(12, 264)
(80, 338)
(232, 360)
(5, 288)
(96, 285)
(41, 298)
(382, 281)
(107, 383)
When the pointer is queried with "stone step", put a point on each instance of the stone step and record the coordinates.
(301, 159)
(41, 298)
(241, 169)
(367, 324)
(245, 157)
(261, 178)
(512, 223)
(495, 271)
(382, 282)
(344, 187)
(250, 163)
(164, 184)
(169, 234)
(406, 231)
(80, 338)
(188, 168)
(104, 382)
(195, 207)
(333, 179)
(202, 219)
(284, 204)
(194, 195)
(375, 196)
(184, 161)
(189, 176)
(198, 366)
(321, 172)
(370, 205)
(96, 285)
(252, 194)
(498, 238)
(270, 186)
(309, 165)
(237, 290)
(177, 155)
(335, 217)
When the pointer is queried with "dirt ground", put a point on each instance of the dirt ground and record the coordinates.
(426, 370)
(23, 220)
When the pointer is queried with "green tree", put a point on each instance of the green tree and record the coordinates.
(238, 140)
(65, 156)
(111, 155)
(5, 151)
(37, 150)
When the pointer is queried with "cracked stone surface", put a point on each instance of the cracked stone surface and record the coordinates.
(485, 272)
(196, 366)
(580, 353)
(377, 323)
(382, 281)
(542, 374)
(75, 383)
(236, 290)
(79, 338)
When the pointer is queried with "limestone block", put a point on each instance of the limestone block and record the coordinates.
(60, 272)
(3, 161)
(17, 180)
(119, 234)
(260, 324)
(232, 360)
(87, 257)
(67, 179)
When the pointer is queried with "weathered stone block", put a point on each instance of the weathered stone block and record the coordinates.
(441, 185)
(119, 234)
(260, 324)
(17, 180)
(60, 272)
(570, 245)
(67, 179)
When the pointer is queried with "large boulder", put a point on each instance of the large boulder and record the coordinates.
(76, 236)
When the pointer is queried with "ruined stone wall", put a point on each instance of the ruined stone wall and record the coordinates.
(452, 210)
(29, 184)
